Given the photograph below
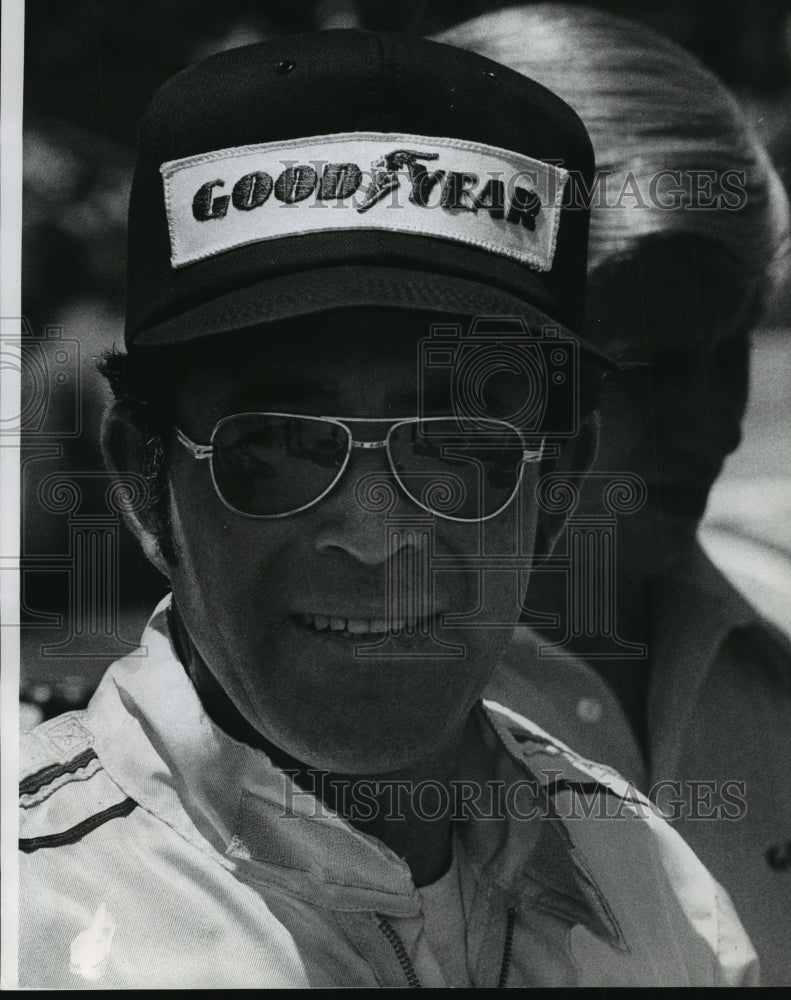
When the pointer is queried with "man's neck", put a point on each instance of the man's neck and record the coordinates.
(415, 827)
(408, 810)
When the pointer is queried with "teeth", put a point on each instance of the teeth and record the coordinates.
(355, 626)
(319, 622)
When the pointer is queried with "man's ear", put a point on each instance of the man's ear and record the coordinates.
(124, 453)
(577, 455)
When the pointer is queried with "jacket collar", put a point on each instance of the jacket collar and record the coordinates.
(158, 744)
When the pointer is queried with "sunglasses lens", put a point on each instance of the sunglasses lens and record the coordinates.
(265, 465)
(460, 469)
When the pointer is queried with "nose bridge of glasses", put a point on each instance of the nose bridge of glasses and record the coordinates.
(380, 470)
(369, 445)
(368, 459)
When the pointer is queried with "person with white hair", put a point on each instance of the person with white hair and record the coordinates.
(688, 690)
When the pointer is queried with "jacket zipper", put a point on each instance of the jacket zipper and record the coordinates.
(400, 952)
(509, 940)
(405, 962)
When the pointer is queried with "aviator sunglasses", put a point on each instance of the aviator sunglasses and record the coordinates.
(270, 465)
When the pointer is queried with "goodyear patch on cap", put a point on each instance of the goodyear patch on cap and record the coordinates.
(448, 189)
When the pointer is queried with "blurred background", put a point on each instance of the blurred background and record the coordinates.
(90, 69)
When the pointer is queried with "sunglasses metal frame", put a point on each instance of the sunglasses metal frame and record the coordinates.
(204, 451)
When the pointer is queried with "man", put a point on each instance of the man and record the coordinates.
(675, 679)
(342, 249)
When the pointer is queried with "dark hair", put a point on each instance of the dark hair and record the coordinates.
(139, 387)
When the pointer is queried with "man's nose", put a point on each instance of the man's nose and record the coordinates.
(367, 515)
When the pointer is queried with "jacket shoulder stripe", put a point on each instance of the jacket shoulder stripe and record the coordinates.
(75, 833)
(34, 782)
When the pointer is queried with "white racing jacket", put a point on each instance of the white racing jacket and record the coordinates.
(159, 852)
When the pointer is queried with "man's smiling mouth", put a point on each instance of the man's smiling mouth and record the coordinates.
(356, 627)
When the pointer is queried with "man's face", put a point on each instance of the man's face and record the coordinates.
(255, 595)
(666, 427)
(673, 421)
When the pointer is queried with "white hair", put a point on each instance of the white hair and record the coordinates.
(649, 106)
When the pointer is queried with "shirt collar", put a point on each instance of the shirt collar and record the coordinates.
(695, 609)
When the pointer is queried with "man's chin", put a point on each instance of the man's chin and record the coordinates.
(374, 754)
(376, 733)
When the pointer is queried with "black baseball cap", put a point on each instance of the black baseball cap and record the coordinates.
(349, 168)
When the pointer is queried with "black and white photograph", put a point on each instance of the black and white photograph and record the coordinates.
(396, 494)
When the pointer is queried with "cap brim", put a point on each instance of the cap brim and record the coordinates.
(307, 293)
